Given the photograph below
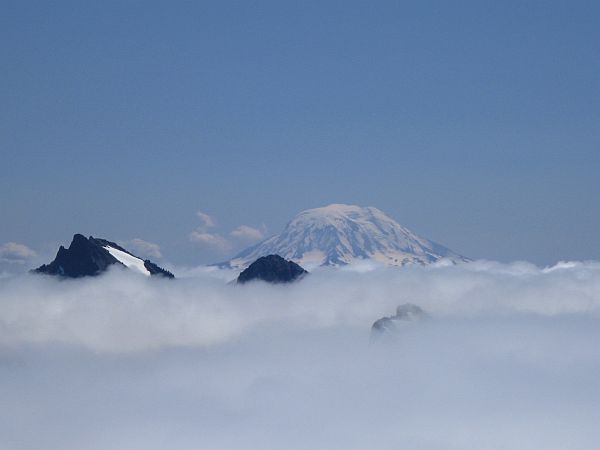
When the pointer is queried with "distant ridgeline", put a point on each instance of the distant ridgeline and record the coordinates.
(92, 256)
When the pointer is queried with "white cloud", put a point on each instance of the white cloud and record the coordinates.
(212, 240)
(15, 253)
(507, 359)
(43, 309)
(243, 234)
(207, 220)
(247, 233)
(143, 248)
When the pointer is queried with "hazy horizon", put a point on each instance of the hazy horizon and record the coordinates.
(217, 245)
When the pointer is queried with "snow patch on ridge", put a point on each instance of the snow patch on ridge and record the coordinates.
(128, 260)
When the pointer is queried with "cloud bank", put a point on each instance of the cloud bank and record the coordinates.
(122, 312)
(507, 360)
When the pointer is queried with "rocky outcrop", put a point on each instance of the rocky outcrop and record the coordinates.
(390, 326)
(92, 256)
(272, 269)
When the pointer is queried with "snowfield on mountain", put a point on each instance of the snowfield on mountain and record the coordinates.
(339, 234)
(128, 260)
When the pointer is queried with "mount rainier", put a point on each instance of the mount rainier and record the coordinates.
(340, 234)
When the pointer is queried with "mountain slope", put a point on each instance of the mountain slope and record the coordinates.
(342, 234)
(92, 256)
(272, 269)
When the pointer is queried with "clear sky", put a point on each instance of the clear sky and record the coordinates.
(475, 124)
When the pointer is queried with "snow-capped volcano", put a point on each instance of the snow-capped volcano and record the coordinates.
(342, 234)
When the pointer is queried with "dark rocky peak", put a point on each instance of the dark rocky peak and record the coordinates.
(92, 256)
(272, 269)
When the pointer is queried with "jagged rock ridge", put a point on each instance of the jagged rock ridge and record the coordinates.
(92, 256)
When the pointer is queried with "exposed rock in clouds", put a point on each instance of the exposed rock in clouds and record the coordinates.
(92, 256)
(392, 325)
(272, 269)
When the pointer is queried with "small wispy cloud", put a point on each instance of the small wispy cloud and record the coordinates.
(248, 234)
(222, 242)
(207, 220)
(144, 248)
(212, 240)
(13, 252)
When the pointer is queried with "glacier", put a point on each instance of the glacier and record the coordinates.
(339, 234)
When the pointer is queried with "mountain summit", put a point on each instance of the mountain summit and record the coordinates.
(342, 234)
(272, 269)
(92, 256)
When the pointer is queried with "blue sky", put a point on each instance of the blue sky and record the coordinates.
(475, 124)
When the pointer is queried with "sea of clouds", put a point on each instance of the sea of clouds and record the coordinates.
(508, 359)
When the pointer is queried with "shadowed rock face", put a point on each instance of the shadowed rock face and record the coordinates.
(89, 257)
(272, 269)
(389, 326)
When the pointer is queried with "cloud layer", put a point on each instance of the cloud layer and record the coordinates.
(202, 309)
(507, 360)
